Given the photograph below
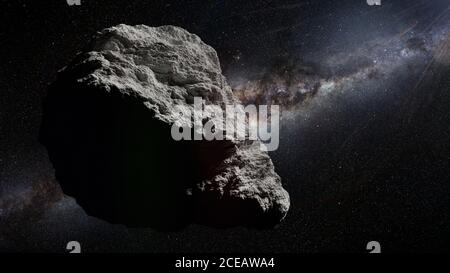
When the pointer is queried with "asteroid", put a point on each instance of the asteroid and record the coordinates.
(107, 127)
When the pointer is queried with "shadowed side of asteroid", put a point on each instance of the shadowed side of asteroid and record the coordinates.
(119, 162)
(230, 211)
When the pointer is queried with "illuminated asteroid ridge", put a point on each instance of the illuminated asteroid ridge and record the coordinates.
(107, 128)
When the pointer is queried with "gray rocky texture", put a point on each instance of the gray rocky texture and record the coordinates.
(106, 126)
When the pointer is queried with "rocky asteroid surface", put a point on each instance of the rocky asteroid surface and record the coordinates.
(107, 128)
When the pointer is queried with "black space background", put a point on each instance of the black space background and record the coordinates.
(403, 205)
